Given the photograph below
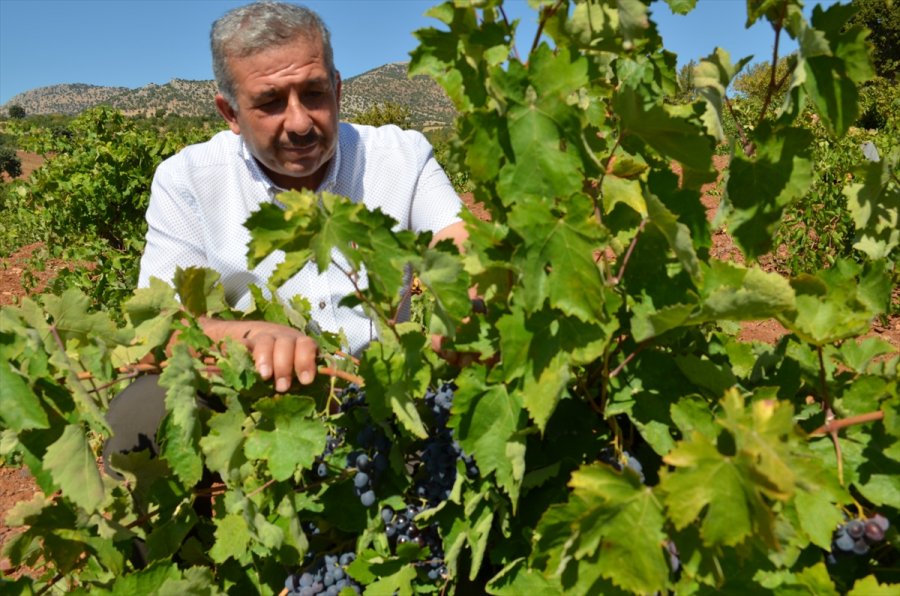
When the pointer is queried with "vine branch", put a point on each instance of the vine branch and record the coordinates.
(770, 91)
(615, 280)
(836, 424)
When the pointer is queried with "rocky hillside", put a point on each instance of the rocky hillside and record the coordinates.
(428, 105)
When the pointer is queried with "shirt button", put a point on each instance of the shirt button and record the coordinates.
(322, 305)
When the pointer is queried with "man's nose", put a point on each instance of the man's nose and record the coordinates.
(296, 116)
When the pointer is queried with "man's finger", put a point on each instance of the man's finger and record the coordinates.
(305, 354)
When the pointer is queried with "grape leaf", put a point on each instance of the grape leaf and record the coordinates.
(200, 291)
(485, 419)
(681, 6)
(760, 186)
(875, 208)
(20, 408)
(232, 538)
(223, 444)
(670, 131)
(870, 586)
(612, 515)
(565, 245)
(180, 433)
(74, 468)
(287, 436)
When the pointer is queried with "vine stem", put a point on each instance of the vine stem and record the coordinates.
(545, 14)
(351, 275)
(770, 91)
(515, 50)
(749, 148)
(829, 416)
(836, 424)
(615, 280)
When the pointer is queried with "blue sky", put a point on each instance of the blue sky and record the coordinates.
(131, 43)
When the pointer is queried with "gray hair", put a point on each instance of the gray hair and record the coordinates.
(256, 27)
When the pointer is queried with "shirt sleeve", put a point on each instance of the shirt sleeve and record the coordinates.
(174, 230)
(435, 204)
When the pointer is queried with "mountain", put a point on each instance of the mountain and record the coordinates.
(428, 105)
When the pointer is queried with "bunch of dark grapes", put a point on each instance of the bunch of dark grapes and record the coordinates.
(351, 397)
(400, 528)
(441, 451)
(327, 575)
(857, 536)
(369, 462)
(331, 443)
(608, 456)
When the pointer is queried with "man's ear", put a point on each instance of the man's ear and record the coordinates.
(228, 113)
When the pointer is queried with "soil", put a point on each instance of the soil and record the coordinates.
(15, 483)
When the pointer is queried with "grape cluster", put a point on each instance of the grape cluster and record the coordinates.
(369, 462)
(857, 536)
(331, 443)
(325, 576)
(400, 528)
(441, 451)
(608, 456)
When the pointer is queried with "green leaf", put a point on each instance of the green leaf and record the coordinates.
(223, 445)
(834, 304)
(20, 408)
(609, 514)
(396, 375)
(539, 167)
(818, 516)
(671, 130)
(733, 292)
(831, 78)
(869, 586)
(681, 6)
(288, 437)
(180, 433)
(760, 187)
(677, 234)
(485, 419)
(730, 489)
(199, 290)
(74, 468)
(566, 246)
(517, 578)
(874, 205)
(232, 538)
(541, 348)
(712, 77)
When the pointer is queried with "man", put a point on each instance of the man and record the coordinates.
(280, 94)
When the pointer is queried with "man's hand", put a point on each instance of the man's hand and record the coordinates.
(279, 352)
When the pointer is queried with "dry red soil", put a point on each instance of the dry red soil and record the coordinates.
(16, 485)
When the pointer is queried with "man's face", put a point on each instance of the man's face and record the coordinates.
(287, 111)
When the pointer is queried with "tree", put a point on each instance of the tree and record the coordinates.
(385, 113)
(882, 18)
(687, 91)
(753, 83)
(16, 111)
(10, 162)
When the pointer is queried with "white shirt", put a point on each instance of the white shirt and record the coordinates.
(201, 197)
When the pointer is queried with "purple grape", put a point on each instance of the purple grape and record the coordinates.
(860, 547)
(367, 498)
(881, 521)
(873, 532)
(855, 528)
(844, 543)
